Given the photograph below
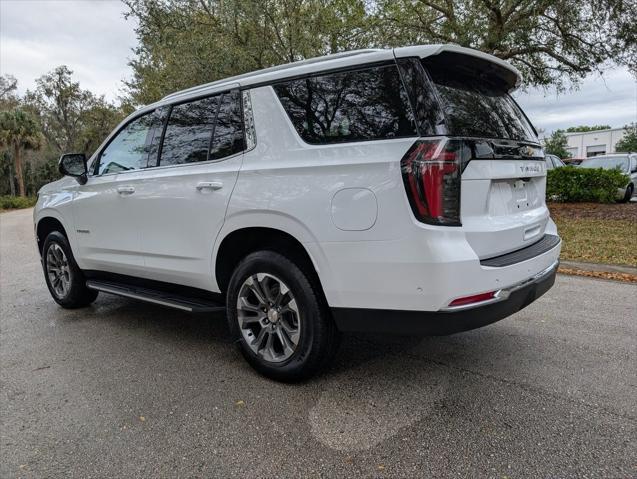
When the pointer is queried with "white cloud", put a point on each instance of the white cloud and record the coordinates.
(90, 37)
(608, 100)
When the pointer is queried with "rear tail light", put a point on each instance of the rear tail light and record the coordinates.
(431, 172)
(476, 298)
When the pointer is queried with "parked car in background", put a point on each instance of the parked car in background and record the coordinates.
(625, 162)
(313, 198)
(573, 161)
(553, 161)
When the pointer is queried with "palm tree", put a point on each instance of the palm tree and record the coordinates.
(19, 131)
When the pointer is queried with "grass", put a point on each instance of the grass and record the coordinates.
(16, 202)
(597, 233)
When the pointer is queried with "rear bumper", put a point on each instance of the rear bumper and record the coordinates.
(425, 268)
(439, 323)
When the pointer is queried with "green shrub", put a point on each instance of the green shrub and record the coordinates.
(571, 184)
(16, 202)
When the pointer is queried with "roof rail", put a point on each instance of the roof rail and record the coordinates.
(276, 68)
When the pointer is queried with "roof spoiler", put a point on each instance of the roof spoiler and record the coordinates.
(509, 76)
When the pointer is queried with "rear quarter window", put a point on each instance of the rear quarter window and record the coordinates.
(367, 104)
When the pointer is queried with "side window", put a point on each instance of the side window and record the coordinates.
(359, 105)
(429, 116)
(228, 135)
(129, 149)
(189, 132)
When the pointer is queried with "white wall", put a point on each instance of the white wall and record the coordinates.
(581, 144)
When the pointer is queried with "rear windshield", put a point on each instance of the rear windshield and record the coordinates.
(606, 162)
(475, 107)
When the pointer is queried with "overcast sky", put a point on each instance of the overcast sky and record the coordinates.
(95, 41)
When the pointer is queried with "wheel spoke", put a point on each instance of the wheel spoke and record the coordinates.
(259, 339)
(246, 320)
(268, 350)
(283, 291)
(291, 332)
(51, 259)
(266, 285)
(288, 345)
(58, 286)
(290, 307)
(246, 306)
(255, 287)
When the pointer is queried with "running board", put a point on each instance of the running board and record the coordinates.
(184, 303)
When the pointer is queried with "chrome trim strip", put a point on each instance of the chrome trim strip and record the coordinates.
(504, 293)
(249, 131)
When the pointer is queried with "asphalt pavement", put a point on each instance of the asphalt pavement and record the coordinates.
(126, 389)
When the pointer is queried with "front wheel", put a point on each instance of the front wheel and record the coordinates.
(63, 276)
(283, 328)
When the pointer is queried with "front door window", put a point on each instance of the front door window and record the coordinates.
(130, 148)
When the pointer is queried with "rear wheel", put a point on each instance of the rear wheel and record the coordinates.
(63, 277)
(283, 328)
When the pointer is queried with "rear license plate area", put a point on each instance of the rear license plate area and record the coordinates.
(520, 194)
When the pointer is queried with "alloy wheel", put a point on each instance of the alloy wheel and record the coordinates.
(269, 317)
(58, 270)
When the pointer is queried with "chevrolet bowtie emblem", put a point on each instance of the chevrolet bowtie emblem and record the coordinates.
(526, 151)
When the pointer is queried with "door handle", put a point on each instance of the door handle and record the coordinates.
(209, 185)
(126, 190)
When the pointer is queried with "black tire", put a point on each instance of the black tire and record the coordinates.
(318, 337)
(76, 294)
(630, 189)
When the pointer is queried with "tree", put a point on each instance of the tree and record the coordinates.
(19, 131)
(584, 128)
(69, 119)
(188, 42)
(8, 87)
(72, 119)
(8, 101)
(556, 144)
(549, 41)
(60, 104)
(628, 143)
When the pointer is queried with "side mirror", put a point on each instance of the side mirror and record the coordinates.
(74, 164)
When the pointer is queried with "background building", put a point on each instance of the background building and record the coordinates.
(593, 143)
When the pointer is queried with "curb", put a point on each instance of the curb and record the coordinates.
(598, 267)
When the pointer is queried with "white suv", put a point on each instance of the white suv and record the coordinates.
(395, 191)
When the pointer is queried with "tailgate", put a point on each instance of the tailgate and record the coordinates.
(503, 193)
